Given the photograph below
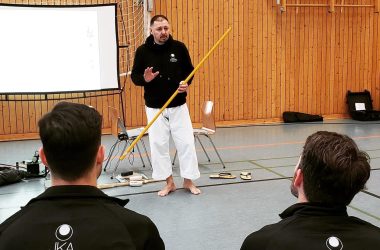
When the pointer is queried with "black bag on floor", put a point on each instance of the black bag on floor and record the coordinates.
(8, 175)
(289, 116)
(360, 106)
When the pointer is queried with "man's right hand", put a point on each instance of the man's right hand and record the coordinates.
(149, 75)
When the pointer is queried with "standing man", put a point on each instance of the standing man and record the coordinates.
(159, 66)
(330, 172)
(74, 213)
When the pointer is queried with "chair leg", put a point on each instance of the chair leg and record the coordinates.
(146, 151)
(138, 149)
(204, 150)
(215, 150)
(110, 154)
(118, 161)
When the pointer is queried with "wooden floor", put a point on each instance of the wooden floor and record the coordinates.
(227, 210)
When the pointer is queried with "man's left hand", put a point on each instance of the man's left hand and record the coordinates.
(182, 87)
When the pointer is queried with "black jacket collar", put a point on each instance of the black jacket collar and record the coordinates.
(151, 44)
(314, 208)
(75, 192)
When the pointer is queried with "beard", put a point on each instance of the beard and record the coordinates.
(293, 188)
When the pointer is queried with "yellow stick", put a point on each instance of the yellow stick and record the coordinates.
(123, 184)
(174, 95)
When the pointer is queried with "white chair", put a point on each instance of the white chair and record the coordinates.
(208, 128)
(123, 135)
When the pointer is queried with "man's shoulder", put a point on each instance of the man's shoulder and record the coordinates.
(259, 239)
(178, 43)
(129, 216)
(365, 226)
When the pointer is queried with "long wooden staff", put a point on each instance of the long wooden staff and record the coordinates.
(122, 184)
(174, 95)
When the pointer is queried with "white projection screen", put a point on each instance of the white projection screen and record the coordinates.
(58, 48)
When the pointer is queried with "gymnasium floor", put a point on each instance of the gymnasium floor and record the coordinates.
(227, 210)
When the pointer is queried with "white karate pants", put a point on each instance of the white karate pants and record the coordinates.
(177, 122)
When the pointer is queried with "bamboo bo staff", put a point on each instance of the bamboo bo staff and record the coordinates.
(174, 94)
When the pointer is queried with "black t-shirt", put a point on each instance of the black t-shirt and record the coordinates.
(315, 226)
(173, 62)
(78, 217)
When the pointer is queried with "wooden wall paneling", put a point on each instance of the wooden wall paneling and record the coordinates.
(346, 55)
(18, 115)
(297, 62)
(276, 63)
(260, 60)
(301, 48)
(329, 63)
(244, 21)
(374, 80)
(355, 48)
(213, 28)
(202, 47)
(308, 57)
(323, 66)
(362, 49)
(367, 48)
(248, 24)
(358, 54)
(226, 62)
(310, 69)
(370, 50)
(320, 73)
(235, 66)
(190, 23)
(255, 59)
(316, 65)
(377, 73)
(223, 25)
(25, 114)
(304, 59)
(288, 59)
(265, 64)
(336, 61)
(215, 87)
(314, 44)
(341, 106)
(208, 40)
(283, 61)
(350, 49)
(2, 97)
(293, 87)
(195, 54)
(355, 20)
(6, 118)
(241, 53)
(12, 115)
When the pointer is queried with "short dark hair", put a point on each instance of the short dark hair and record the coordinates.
(158, 18)
(71, 136)
(334, 169)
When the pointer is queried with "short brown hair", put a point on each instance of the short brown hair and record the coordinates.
(71, 136)
(158, 18)
(334, 169)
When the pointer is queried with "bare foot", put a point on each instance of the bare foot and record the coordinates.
(170, 187)
(188, 184)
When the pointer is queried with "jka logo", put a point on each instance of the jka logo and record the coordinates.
(63, 234)
(172, 58)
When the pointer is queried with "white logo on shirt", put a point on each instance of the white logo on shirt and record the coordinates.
(334, 243)
(172, 58)
(63, 233)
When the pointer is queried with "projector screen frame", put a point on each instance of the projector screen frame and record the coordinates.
(119, 88)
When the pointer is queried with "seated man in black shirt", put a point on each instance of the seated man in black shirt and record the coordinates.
(74, 213)
(330, 172)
